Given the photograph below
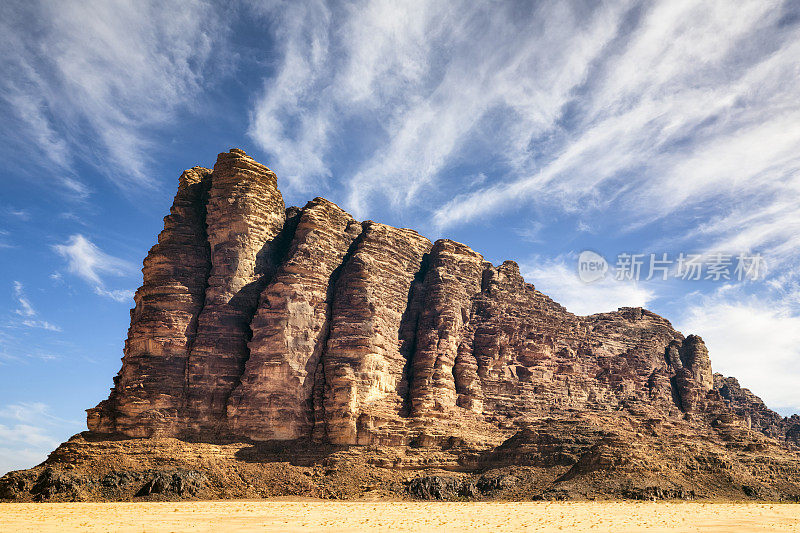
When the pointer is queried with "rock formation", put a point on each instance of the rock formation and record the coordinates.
(149, 393)
(752, 411)
(261, 324)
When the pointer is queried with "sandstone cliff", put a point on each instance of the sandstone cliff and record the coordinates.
(258, 323)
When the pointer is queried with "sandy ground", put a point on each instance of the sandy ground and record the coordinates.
(398, 516)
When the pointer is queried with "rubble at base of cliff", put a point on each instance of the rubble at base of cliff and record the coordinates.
(572, 457)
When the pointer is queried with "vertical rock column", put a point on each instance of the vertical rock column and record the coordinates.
(274, 398)
(364, 363)
(694, 378)
(245, 214)
(149, 390)
(694, 355)
(454, 276)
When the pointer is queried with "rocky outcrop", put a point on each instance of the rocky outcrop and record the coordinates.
(274, 399)
(301, 352)
(590, 455)
(453, 276)
(755, 413)
(269, 335)
(265, 323)
(149, 392)
(365, 364)
(245, 215)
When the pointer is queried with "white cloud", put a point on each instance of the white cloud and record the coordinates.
(644, 110)
(25, 309)
(558, 278)
(18, 213)
(696, 108)
(291, 119)
(30, 109)
(531, 232)
(505, 63)
(3, 242)
(31, 412)
(87, 261)
(114, 70)
(41, 324)
(19, 458)
(119, 295)
(420, 78)
(755, 339)
(27, 434)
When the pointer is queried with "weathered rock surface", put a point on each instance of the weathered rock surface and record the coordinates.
(370, 342)
(274, 399)
(572, 456)
(149, 393)
(454, 274)
(306, 333)
(245, 215)
(752, 411)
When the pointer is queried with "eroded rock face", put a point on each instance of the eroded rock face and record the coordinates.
(274, 399)
(755, 414)
(149, 392)
(368, 348)
(245, 214)
(453, 276)
(272, 324)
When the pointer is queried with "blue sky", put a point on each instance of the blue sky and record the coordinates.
(530, 131)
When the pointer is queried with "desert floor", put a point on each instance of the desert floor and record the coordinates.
(399, 516)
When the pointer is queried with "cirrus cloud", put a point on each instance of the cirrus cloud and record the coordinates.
(87, 261)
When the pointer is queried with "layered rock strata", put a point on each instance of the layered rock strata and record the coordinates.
(274, 399)
(148, 397)
(259, 322)
(245, 214)
(756, 414)
(369, 342)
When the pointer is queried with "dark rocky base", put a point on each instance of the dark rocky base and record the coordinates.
(573, 457)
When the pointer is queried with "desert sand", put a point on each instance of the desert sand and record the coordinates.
(399, 516)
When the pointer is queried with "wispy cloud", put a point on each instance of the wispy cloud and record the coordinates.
(25, 307)
(41, 324)
(693, 107)
(87, 261)
(26, 310)
(31, 412)
(281, 122)
(558, 278)
(27, 435)
(118, 295)
(647, 110)
(19, 214)
(27, 431)
(112, 70)
(417, 83)
(531, 232)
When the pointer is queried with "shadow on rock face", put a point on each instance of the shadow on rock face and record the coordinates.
(179, 483)
(454, 488)
(52, 484)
